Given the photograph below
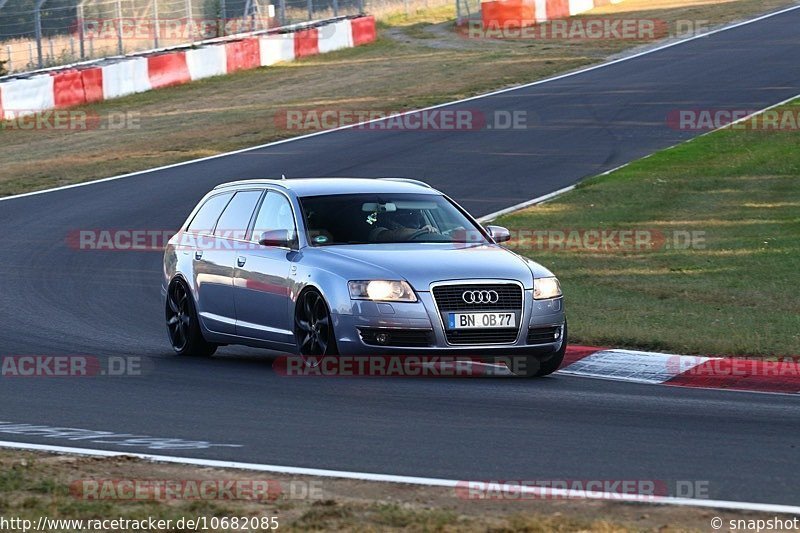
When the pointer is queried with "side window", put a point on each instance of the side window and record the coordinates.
(207, 216)
(275, 214)
(236, 218)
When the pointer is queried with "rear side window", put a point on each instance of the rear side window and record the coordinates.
(236, 218)
(207, 216)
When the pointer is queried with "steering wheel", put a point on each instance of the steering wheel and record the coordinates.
(418, 233)
(450, 231)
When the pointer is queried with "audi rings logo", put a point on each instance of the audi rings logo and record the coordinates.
(480, 297)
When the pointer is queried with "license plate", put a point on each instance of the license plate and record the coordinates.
(481, 320)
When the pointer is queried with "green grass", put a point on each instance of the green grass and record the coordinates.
(734, 294)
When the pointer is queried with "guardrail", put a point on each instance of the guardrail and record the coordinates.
(42, 33)
(109, 78)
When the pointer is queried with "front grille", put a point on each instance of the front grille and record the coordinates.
(544, 335)
(482, 336)
(397, 337)
(449, 298)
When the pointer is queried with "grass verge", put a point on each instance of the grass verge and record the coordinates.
(417, 61)
(33, 485)
(717, 272)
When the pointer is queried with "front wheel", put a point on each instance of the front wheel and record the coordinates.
(183, 324)
(313, 328)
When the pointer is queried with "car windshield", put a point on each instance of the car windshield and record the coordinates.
(385, 218)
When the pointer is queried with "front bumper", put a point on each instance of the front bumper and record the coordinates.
(355, 331)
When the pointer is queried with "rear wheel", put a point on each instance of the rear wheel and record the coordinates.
(313, 328)
(183, 324)
(532, 367)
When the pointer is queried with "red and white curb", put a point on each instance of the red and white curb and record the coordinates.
(780, 375)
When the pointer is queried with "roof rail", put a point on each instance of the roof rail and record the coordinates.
(409, 180)
(263, 181)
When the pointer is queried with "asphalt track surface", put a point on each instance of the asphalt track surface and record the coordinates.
(56, 300)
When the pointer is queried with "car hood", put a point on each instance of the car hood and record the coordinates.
(424, 263)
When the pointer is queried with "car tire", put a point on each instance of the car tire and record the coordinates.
(313, 328)
(183, 325)
(535, 368)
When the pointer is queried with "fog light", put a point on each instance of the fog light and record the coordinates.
(557, 334)
(382, 338)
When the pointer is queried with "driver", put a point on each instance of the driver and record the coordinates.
(400, 226)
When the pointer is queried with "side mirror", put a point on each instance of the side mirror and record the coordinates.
(498, 233)
(281, 238)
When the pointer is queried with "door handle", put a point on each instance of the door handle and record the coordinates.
(198, 254)
(241, 260)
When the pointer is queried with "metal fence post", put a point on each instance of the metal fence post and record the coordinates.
(310, 9)
(119, 27)
(282, 12)
(156, 24)
(190, 19)
(81, 30)
(223, 14)
(335, 8)
(38, 29)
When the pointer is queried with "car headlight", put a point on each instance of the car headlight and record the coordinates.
(382, 291)
(544, 288)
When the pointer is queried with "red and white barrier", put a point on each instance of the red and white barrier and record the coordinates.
(518, 13)
(169, 69)
(306, 42)
(71, 86)
(68, 89)
(364, 30)
(28, 96)
(580, 6)
(335, 36)
(242, 55)
(278, 48)
(126, 77)
(206, 62)
(92, 84)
